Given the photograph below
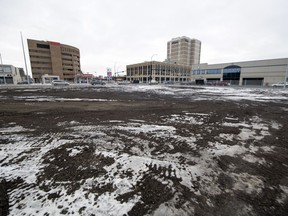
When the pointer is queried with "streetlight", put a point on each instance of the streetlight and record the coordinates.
(153, 56)
(151, 77)
(115, 70)
(286, 76)
(118, 69)
(28, 79)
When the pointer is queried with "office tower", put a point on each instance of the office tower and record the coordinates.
(184, 51)
(53, 58)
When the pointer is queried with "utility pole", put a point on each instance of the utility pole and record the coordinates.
(152, 76)
(115, 71)
(28, 80)
(286, 75)
(3, 69)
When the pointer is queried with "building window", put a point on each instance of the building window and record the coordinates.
(38, 51)
(45, 46)
(231, 72)
(214, 71)
(41, 57)
(198, 72)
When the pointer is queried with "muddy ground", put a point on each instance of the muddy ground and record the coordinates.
(43, 117)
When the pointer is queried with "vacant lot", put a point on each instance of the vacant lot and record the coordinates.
(143, 150)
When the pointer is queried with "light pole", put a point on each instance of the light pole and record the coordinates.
(115, 71)
(286, 75)
(28, 80)
(152, 77)
(4, 79)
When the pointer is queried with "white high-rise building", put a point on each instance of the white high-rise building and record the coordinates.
(184, 51)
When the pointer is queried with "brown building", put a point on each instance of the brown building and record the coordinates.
(53, 58)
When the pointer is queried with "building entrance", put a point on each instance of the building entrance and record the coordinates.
(199, 82)
(231, 74)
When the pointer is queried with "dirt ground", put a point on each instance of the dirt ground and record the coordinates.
(45, 116)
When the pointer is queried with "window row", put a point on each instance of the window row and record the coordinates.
(38, 62)
(66, 59)
(38, 51)
(63, 49)
(5, 69)
(66, 54)
(41, 68)
(44, 46)
(232, 70)
(162, 73)
(67, 65)
(41, 57)
(208, 71)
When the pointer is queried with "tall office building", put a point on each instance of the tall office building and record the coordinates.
(53, 58)
(184, 51)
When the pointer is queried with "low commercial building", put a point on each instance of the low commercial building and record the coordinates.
(158, 71)
(54, 59)
(47, 79)
(85, 78)
(9, 74)
(258, 73)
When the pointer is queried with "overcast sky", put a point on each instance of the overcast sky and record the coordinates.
(114, 33)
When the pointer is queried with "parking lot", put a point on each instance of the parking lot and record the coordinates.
(143, 150)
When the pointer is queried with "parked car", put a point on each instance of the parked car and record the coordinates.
(280, 84)
(124, 82)
(169, 83)
(221, 83)
(23, 82)
(136, 82)
(98, 82)
(188, 83)
(60, 83)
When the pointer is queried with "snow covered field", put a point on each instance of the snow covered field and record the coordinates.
(215, 160)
